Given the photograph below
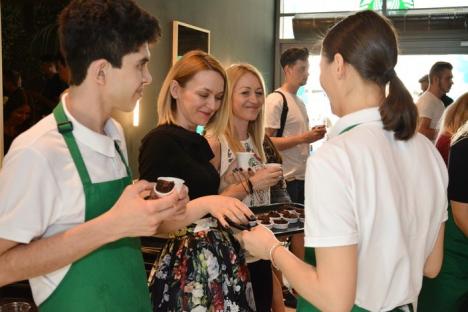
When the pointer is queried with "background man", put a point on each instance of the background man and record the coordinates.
(294, 142)
(292, 135)
(430, 105)
(424, 81)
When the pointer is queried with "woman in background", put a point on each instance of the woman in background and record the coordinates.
(455, 115)
(202, 266)
(449, 290)
(374, 232)
(245, 133)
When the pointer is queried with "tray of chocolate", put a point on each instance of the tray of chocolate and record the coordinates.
(282, 219)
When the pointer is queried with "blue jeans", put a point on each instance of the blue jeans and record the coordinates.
(296, 190)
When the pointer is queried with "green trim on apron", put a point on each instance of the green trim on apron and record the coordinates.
(348, 128)
(111, 278)
(309, 257)
(449, 290)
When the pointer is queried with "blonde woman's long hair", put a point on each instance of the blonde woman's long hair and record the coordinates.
(255, 128)
(455, 115)
(460, 134)
(183, 71)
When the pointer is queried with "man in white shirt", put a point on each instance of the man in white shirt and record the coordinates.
(291, 136)
(430, 105)
(293, 142)
(69, 216)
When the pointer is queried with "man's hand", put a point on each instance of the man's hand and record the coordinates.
(266, 177)
(314, 134)
(133, 216)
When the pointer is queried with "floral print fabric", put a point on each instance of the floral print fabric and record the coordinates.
(203, 270)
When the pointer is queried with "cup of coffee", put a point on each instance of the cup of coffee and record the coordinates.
(243, 159)
(165, 186)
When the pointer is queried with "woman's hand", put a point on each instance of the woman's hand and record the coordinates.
(258, 241)
(222, 207)
(234, 175)
(229, 176)
(266, 177)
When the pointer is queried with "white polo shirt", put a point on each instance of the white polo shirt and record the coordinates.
(387, 196)
(431, 107)
(297, 122)
(40, 189)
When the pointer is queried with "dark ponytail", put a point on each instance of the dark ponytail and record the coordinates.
(368, 42)
(399, 114)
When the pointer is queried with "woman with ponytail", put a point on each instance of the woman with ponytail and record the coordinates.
(375, 199)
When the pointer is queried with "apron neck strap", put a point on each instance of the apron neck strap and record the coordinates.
(348, 128)
(65, 127)
(117, 147)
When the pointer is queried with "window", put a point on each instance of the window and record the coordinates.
(410, 68)
(289, 8)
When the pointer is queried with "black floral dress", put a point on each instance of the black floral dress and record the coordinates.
(201, 267)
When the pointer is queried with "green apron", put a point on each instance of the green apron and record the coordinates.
(449, 289)
(111, 278)
(309, 257)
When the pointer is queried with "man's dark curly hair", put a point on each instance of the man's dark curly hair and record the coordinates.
(103, 29)
(290, 56)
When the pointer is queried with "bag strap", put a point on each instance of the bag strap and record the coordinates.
(284, 114)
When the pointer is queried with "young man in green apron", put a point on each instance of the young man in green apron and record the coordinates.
(69, 216)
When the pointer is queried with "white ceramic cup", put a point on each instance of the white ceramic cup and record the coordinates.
(243, 159)
(177, 185)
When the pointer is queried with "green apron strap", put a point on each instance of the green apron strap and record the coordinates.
(117, 147)
(65, 127)
(348, 128)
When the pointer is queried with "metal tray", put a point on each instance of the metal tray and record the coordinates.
(293, 228)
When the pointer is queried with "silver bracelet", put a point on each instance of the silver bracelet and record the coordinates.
(272, 250)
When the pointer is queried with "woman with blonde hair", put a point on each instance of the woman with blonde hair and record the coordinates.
(245, 133)
(202, 266)
(455, 115)
(449, 290)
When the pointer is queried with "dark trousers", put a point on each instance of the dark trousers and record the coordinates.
(262, 284)
(296, 190)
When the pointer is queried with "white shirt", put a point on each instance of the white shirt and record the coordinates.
(431, 107)
(387, 196)
(297, 122)
(40, 189)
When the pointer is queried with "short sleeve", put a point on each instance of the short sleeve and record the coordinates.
(158, 153)
(329, 212)
(273, 109)
(458, 172)
(425, 109)
(29, 196)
